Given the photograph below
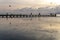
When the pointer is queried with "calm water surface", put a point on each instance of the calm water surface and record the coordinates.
(43, 28)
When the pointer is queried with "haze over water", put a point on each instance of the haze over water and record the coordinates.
(39, 28)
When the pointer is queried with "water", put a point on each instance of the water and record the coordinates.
(42, 28)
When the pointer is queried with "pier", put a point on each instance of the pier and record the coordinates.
(25, 15)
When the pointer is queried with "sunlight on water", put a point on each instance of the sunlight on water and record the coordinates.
(43, 28)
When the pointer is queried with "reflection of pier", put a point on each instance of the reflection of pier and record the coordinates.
(25, 15)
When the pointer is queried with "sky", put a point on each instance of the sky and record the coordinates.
(16, 4)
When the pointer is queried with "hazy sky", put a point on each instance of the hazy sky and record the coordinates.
(4, 4)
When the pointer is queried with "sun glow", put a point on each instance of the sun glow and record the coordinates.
(54, 1)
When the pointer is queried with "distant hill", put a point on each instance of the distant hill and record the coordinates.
(45, 10)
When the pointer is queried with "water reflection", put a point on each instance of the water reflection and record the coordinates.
(29, 29)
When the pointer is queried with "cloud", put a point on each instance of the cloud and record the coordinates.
(23, 3)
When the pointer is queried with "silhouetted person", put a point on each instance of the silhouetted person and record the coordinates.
(31, 14)
(39, 15)
(7, 15)
(50, 14)
(55, 15)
